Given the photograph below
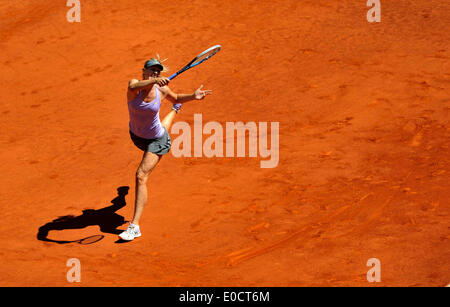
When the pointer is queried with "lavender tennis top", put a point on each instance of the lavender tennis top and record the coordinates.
(144, 117)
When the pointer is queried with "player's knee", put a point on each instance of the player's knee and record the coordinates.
(141, 176)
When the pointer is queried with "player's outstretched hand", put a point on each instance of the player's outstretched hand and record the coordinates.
(200, 94)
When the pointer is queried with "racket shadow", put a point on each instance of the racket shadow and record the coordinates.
(106, 218)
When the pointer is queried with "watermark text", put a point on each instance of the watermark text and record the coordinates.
(233, 137)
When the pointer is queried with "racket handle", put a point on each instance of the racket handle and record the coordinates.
(172, 76)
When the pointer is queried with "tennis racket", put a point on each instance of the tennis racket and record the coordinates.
(198, 60)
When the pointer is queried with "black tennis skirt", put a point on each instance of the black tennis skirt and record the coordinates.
(159, 146)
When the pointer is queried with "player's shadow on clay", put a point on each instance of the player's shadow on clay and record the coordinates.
(106, 218)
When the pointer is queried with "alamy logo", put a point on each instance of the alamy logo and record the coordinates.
(374, 14)
(74, 13)
(374, 274)
(213, 145)
(74, 274)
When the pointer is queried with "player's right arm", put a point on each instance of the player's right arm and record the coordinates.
(134, 85)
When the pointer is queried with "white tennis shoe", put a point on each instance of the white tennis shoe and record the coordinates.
(132, 232)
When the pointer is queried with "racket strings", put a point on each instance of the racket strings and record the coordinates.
(204, 56)
(198, 59)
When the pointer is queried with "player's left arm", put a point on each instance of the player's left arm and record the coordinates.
(198, 94)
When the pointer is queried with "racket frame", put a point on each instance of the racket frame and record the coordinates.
(193, 64)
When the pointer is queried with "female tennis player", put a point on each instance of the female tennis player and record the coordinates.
(147, 132)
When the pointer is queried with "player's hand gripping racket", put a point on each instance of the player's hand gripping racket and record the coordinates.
(198, 60)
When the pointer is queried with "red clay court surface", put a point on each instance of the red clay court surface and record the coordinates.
(363, 110)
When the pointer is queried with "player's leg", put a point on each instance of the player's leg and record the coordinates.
(168, 119)
(148, 163)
